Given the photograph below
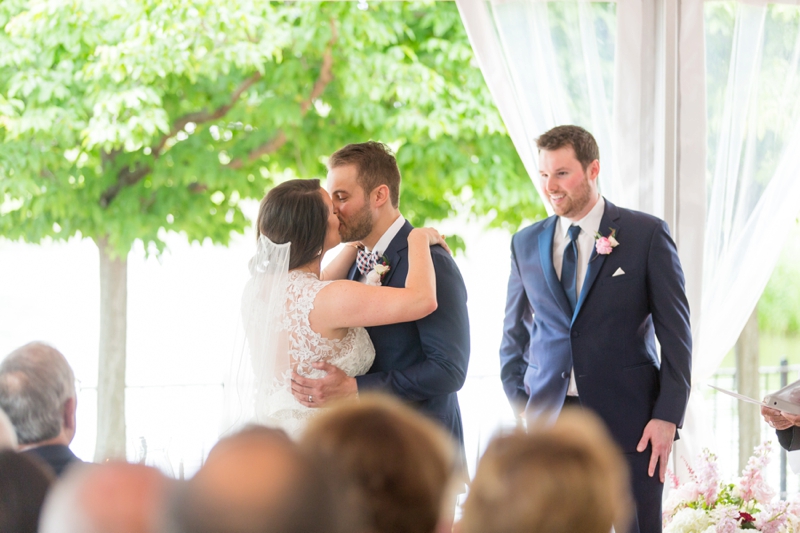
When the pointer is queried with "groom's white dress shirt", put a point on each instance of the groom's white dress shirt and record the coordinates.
(590, 224)
(384, 242)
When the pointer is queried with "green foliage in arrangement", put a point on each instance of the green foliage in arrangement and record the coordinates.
(122, 120)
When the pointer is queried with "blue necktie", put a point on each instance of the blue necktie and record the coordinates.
(569, 267)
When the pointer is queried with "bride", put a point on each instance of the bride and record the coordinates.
(294, 315)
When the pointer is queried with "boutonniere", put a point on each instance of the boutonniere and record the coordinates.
(375, 276)
(604, 245)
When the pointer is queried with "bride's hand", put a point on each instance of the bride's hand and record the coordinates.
(433, 236)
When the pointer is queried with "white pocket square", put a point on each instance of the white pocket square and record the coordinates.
(619, 272)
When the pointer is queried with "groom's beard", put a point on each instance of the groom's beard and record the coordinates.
(358, 226)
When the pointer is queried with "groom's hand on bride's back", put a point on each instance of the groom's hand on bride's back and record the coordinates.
(318, 392)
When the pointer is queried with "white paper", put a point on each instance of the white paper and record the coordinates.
(738, 396)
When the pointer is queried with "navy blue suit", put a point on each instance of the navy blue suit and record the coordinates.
(789, 438)
(609, 339)
(424, 363)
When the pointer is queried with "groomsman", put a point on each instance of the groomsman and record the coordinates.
(590, 290)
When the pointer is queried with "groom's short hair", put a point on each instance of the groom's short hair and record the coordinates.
(584, 144)
(376, 166)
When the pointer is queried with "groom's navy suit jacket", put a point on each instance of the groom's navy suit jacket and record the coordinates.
(424, 362)
(610, 337)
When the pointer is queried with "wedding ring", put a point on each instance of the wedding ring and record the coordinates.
(310, 399)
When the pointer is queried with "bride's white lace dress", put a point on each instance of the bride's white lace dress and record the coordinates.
(353, 354)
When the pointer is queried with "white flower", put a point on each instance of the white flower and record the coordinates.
(612, 241)
(373, 278)
(689, 520)
(381, 269)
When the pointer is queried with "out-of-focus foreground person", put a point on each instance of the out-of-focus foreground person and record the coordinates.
(23, 487)
(568, 478)
(37, 392)
(8, 435)
(394, 461)
(113, 497)
(258, 481)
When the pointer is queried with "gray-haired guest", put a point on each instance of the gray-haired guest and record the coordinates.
(37, 391)
(8, 436)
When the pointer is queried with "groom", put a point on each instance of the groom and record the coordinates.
(583, 313)
(425, 362)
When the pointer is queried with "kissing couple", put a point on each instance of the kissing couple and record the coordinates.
(388, 314)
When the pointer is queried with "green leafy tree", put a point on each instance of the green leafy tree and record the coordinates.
(126, 120)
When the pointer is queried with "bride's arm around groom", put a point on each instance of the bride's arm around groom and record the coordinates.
(423, 362)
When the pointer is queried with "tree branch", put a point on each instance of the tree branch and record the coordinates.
(125, 177)
(324, 78)
(268, 147)
(198, 117)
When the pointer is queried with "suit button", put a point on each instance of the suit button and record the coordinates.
(575, 334)
(564, 375)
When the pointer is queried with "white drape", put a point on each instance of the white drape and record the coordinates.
(548, 64)
(754, 186)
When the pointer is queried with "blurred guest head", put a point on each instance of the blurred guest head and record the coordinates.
(568, 478)
(257, 481)
(113, 497)
(398, 463)
(8, 436)
(37, 392)
(23, 486)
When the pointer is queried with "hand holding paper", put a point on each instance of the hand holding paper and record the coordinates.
(775, 418)
(785, 402)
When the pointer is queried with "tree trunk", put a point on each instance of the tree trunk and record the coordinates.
(747, 383)
(111, 368)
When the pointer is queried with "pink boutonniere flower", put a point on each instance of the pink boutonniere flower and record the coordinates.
(604, 245)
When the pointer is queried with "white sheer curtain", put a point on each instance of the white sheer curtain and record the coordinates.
(552, 63)
(739, 68)
(753, 140)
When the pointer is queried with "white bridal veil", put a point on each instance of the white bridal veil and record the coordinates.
(258, 382)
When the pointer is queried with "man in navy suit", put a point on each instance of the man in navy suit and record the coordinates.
(590, 290)
(424, 362)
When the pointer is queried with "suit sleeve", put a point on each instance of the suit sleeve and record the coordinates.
(516, 338)
(670, 313)
(444, 336)
(789, 438)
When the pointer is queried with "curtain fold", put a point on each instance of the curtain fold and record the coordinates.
(557, 68)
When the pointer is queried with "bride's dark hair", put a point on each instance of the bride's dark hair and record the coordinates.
(295, 212)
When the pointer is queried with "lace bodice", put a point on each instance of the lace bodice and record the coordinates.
(353, 354)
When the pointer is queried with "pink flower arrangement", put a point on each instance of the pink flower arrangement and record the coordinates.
(706, 504)
(604, 245)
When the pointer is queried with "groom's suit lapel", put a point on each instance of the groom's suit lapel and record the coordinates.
(546, 259)
(607, 224)
(392, 253)
(353, 272)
